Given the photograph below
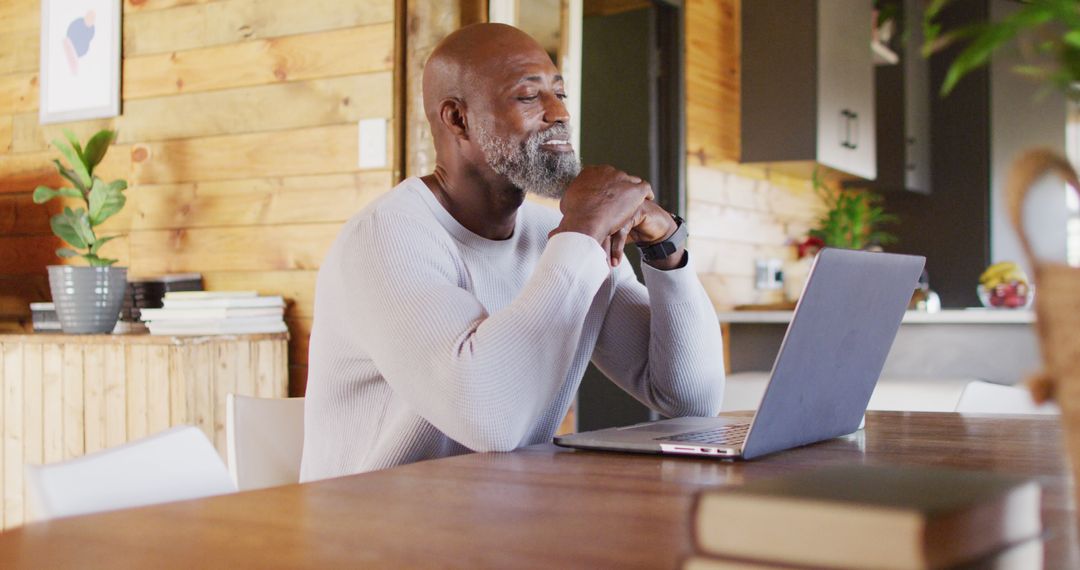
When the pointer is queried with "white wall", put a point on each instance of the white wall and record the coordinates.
(1024, 115)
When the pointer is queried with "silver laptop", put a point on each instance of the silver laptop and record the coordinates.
(828, 365)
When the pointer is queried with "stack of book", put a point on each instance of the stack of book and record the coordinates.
(216, 312)
(858, 516)
(148, 293)
(43, 316)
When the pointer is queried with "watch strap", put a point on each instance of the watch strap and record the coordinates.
(663, 249)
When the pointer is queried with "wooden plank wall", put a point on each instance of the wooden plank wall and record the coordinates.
(238, 136)
(737, 212)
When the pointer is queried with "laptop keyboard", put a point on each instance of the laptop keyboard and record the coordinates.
(733, 434)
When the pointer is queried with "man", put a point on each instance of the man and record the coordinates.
(452, 316)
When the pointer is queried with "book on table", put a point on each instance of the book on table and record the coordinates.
(1027, 555)
(175, 314)
(196, 295)
(856, 516)
(238, 325)
(184, 302)
(217, 312)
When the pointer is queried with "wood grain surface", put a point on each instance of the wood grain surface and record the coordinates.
(62, 396)
(539, 507)
(238, 139)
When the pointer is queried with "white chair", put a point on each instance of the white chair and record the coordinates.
(264, 439)
(173, 465)
(981, 397)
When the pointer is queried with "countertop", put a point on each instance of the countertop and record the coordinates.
(943, 317)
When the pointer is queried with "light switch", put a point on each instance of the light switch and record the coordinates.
(372, 143)
(768, 274)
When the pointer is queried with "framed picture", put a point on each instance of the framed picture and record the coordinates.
(80, 60)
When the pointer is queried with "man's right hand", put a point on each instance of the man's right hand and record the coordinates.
(601, 201)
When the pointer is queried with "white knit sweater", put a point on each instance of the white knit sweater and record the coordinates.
(431, 341)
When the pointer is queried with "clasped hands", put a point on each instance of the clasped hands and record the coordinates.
(613, 207)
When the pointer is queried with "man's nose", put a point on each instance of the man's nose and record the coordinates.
(554, 109)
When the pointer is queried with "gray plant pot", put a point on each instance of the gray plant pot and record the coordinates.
(87, 299)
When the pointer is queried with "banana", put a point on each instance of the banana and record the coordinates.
(1002, 272)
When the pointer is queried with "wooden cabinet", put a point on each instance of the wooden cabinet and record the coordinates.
(64, 396)
(807, 86)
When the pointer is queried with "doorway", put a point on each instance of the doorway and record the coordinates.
(632, 117)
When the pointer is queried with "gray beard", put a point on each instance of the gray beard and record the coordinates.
(528, 166)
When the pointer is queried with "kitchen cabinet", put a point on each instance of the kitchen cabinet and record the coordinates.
(807, 85)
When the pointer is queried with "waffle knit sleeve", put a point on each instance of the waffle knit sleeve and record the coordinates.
(482, 379)
(660, 342)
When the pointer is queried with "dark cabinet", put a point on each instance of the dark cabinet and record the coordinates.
(807, 85)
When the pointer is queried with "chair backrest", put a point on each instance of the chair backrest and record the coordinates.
(986, 398)
(173, 465)
(265, 440)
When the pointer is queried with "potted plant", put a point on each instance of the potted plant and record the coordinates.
(87, 299)
(853, 221)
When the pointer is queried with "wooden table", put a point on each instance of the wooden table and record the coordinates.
(540, 507)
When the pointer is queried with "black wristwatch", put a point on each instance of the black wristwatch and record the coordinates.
(661, 250)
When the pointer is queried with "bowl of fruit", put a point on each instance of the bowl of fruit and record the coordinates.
(1004, 285)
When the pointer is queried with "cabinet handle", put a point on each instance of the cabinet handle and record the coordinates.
(847, 116)
(855, 130)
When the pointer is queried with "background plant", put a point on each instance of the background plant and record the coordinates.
(101, 199)
(854, 218)
(1047, 32)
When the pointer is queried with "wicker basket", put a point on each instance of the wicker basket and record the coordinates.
(1057, 304)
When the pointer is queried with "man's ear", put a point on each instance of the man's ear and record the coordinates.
(452, 113)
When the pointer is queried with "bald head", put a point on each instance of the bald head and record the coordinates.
(470, 59)
(494, 100)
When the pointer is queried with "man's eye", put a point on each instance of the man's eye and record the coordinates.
(561, 96)
(528, 99)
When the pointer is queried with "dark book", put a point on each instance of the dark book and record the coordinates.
(869, 517)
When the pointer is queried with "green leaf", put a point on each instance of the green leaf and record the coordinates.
(73, 227)
(69, 174)
(74, 143)
(66, 252)
(96, 261)
(43, 194)
(985, 38)
(100, 242)
(976, 54)
(1072, 38)
(96, 148)
(75, 161)
(106, 200)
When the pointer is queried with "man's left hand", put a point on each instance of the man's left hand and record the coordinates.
(650, 224)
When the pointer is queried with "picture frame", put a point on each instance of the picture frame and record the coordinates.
(80, 60)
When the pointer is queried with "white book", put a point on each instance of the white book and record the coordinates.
(190, 295)
(181, 323)
(245, 326)
(226, 303)
(215, 313)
